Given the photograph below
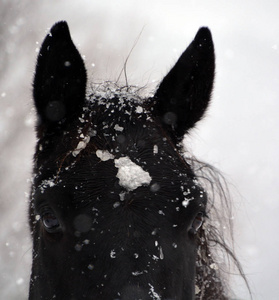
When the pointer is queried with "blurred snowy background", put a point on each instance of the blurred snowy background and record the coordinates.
(239, 135)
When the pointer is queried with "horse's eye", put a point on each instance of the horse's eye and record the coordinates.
(50, 222)
(197, 223)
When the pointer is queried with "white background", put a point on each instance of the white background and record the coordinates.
(239, 134)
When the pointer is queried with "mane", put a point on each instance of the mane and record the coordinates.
(216, 259)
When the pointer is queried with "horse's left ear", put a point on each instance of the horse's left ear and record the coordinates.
(184, 94)
(60, 80)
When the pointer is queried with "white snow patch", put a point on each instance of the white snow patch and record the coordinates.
(122, 196)
(137, 273)
(81, 145)
(47, 183)
(186, 200)
(161, 253)
(112, 253)
(152, 293)
(131, 175)
(185, 203)
(104, 155)
(155, 149)
(139, 110)
(116, 204)
(154, 257)
(81, 120)
(118, 128)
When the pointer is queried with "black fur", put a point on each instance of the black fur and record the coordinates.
(60, 80)
(95, 236)
(184, 93)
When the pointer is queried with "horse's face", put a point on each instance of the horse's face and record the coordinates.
(114, 207)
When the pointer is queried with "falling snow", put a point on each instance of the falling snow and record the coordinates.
(249, 158)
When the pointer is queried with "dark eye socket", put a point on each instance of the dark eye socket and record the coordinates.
(197, 223)
(50, 222)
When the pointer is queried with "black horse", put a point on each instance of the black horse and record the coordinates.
(116, 211)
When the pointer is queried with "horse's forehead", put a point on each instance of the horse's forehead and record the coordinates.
(117, 105)
(117, 140)
(103, 175)
(116, 121)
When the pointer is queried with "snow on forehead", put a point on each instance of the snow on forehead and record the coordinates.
(130, 175)
(112, 96)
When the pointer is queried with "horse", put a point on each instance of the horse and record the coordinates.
(116, 210)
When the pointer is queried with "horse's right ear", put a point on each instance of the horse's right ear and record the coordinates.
(184, 94)
(60, 80)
